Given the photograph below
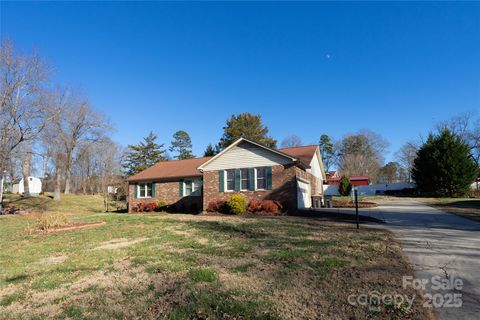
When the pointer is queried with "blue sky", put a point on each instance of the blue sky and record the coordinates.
(308, 68)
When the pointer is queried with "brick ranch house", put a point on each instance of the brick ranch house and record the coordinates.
(292, 176)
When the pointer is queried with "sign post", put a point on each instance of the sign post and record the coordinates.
(356, 207)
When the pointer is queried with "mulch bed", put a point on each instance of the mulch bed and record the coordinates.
(246, 215)
(351, 204)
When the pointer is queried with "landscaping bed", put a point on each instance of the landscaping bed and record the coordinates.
(351, 204)
(71, 226)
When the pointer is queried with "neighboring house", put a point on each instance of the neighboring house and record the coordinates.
(34, 185)
(291, 176)
(354, 180)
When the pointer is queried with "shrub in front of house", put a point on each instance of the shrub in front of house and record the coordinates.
(264, 206)
(162, 205)
(237, 204)
(254, 206)
(144, 207)
(269, 206)
(217, 206)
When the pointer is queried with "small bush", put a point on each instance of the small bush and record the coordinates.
(47, 221)
(217, 206)
(144, 207)
(162, 205)
(269, 206)
(237, 204)
(345, 186)
(254, 206)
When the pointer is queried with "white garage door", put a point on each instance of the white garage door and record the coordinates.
(304, 199)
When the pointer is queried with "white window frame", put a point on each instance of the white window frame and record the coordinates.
(185, 194)
(196, 185)
(243, 179)
(226, 180)
(144, 186)
(264, 178)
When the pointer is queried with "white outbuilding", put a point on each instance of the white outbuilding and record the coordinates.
(34, 184)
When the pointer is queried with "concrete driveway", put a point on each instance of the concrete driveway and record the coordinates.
(438, 244)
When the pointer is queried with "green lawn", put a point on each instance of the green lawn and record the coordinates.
(193, 267)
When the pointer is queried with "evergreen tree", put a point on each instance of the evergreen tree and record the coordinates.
(182, 145)
(143, 155)
(209, 151)
(248, 126)
(326, 151)
(444, 166)
(345, 186)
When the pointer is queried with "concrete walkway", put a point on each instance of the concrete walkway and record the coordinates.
(437, 244)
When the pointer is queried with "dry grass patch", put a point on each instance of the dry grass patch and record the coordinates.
(118, 243)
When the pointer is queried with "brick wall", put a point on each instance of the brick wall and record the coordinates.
(309, 177)
(167, 191)
(284, 188)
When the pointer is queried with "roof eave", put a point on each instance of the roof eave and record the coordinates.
(131, 179)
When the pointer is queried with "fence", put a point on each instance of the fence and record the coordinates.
(370, 190)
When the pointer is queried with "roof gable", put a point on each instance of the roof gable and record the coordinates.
(244, 153)
(304, 154)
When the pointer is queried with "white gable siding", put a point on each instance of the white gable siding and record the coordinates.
(246, 155)
(315, 167)
(316, 171)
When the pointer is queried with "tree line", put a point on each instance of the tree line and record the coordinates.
(51, 129)
(446, 163)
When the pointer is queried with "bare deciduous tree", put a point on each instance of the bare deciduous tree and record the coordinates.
(291, 141)
(362, 154)
(76, 124)
(23, 108)
(406, 156)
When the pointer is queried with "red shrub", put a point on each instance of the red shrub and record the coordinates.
(151, 206)
(217, 206)
(279, 205)
(269, 206)
(144, 207)
(254, 206)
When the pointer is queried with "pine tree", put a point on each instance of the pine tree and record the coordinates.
(209, 151)
(248, 126)
(326, 150)
(143, 155)
(444, 166)
(182, 145)
(345, 186)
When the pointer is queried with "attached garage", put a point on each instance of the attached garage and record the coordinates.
(304, 194)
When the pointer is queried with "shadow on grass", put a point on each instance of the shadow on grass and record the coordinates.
(17, 278)
(464, 204)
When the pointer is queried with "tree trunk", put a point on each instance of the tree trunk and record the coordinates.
(67, 181)
(58, 179)
(26, 172)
